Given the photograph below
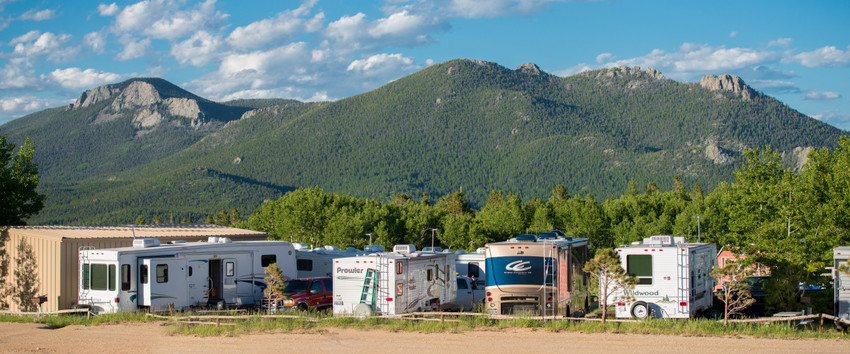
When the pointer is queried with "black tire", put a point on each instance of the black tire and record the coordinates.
(303, 307)
(640, 310)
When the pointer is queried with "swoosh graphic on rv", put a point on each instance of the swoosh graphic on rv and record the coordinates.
(518, 266)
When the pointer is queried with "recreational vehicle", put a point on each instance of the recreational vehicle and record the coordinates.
(841, 282)
(472, 265)
(318, 262)
(397, 282)
(156, 277)
(537, 275)
(673, 278)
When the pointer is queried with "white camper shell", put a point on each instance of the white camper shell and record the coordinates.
(841, 282)
(473, 265)
(391, 283)
(674, 278)
(318, 262)
(179, 275)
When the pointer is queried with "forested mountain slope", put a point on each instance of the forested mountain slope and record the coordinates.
(460, 125)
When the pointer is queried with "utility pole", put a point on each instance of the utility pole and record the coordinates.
(370, 241)
(432, 238)
(699, 234)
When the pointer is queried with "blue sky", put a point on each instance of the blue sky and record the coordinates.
(51, 51)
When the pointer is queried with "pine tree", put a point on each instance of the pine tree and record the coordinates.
(733, 290)
(609, 276)
(4, 271)
(26, 283)
(275, 284)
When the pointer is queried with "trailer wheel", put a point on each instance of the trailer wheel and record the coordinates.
(640, 310)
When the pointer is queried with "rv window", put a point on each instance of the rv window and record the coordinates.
(143, 274)
(162, 273)
(86, 268)
(267, 259)
(98, 277)
(230, 269)
(429, 274)
(399, 268)
(329, 284)
(461, 284)
(640, 265)
(190, 271)
(125, 277)
(304, 264)
(111, 278)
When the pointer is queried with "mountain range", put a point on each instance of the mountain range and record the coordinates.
(145, 147)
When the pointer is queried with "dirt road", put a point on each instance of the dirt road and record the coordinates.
(151, 337)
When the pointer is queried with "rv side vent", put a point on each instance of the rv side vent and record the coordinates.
(404, 249)
(145, 242)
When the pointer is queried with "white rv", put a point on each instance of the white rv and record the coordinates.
(473, 265)
(674, 278)
(395, 282)
(179, 275)
(318, 262)
(841, 282)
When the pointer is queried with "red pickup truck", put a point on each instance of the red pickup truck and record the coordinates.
(309, 293)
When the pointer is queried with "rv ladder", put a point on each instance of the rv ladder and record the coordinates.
(367, 294)
(84, 259)
(550, 308)
(384, 288)
(683, 260)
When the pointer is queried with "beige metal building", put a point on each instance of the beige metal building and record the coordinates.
(56, 250)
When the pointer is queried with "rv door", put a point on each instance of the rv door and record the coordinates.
(228, 273)
(162, 284)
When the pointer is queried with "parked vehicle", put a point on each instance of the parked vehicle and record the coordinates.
(469, 294)
(473, 265)
(674, 278)
(537, 275)
(176, 276)
(395, 282)
(318, 262)
(306, 293)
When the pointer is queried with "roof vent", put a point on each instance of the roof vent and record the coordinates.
(547, 235)
(218, 239)
(300, 246)
(145, 242)
(531, 238)
(373, 248)
(432, 249)
(404, 249)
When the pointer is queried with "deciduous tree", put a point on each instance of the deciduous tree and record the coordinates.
(18, 181)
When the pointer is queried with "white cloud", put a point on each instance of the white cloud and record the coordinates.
(582, 67)
(782, 42)
(139, 16)
(822, 96)
(601, 58)
(284, 26)
(353, 33)
(834, 117)
(132, 48)
(381, 64)
(177, 24)
(14, 77)
(4, 22)
(496, 8)
(36, 15)
(733, 34)
(108, 10)
(774, 86)
(96, 41)
(829, 56)
(262, 62)
(76, 78)
(18, 106)
(199, 50)
(34, 44)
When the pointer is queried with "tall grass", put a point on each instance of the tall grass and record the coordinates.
(316, 322)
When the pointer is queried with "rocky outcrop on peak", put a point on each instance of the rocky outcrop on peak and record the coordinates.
(94, 95)
(730, 83)
(530, 68)
(621, 71)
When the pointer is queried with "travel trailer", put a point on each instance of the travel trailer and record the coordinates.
(541, 276)
(841, 282)
(318, 262)
(472, 265)
(179, 275)
(674, 278)
(391, 283)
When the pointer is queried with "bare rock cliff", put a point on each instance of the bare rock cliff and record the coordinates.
(728, 83)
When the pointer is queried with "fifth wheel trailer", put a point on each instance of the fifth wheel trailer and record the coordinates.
(841, 282)
(176, 276)
(674, 278)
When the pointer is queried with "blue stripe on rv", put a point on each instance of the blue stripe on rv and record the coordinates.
(523, 270)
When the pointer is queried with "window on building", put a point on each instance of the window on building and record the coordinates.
(640, 265)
